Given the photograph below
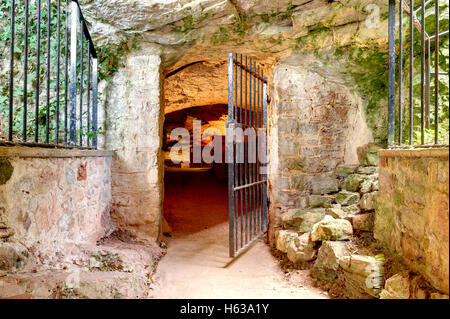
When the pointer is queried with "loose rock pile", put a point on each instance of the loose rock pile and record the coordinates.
(321, 232)
(328, 235)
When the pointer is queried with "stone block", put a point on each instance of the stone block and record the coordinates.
(331, 229)
(283, 239)
(363, 276)
(365, 186)
(368, 154)
(368, 170)
(344, 171)
(5, 232)
(353, 182)
(368, 201)
(302, 220)
(363, 221)
(327, 263)
(396, 287)
(336, 212)
(323, 183)
(347, 198)
(351, 209)
(13, 256)
(323, 201)
(301, 249)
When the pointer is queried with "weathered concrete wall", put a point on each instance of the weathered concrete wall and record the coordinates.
(134, 121)
(412, 217)
(315, 124)
(49, 197)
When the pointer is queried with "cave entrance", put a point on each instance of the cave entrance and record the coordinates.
(195, 192)
(203, 100)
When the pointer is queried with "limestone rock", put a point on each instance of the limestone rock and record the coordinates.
(368, 201)
(363, 221)
(336, 212)
(363, 276)
(353, 182)
(302, 220)
(347, 198)
(324, 184)
(13, 256)
(283, 238)
(396, 287)
(351, 209)
(368, 154)
(6, 232)
(327, 263)
(344, 171)
(375, 186)
(368, 170)
(301, 249)
(331, 229)
(324, 201)
(365, 186)
(436, 295)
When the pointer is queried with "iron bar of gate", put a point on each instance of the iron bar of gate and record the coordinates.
(81, 85)
(436, 73)
(66, 70)
(73, 71)
(11, 72)
(411, 72)
(94, 99)
(38, 65)
(246, 207)
(264, 174)
(422, 77)
(400, 73)
(88, 95)
(230, 161)
(52, 116)
(47, 108)
(441, 33)
(25, 76)
(241, 170)
(391, 74)
(250, 173)
(58, 56)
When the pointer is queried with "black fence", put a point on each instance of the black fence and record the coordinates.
(53, 103)
(414, 42)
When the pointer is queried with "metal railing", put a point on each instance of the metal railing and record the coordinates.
(69, 118)
(398, 135)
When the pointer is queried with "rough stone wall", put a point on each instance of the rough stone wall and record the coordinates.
(203, 83)
(50, 199)
(134, 122)
(315, 124)
(412, 217)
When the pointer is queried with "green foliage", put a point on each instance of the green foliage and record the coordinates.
(32, 75)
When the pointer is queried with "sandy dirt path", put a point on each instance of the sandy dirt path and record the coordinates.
(197, 264)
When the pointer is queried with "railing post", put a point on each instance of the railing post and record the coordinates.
(265, 102)
(94, 100)
(391, 74)
(11, 72)
(73, 71)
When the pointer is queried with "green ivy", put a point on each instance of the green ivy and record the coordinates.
(32, 76)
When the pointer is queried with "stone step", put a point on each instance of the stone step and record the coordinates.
(75, 284)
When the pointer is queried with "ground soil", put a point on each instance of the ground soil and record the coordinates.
(197, 264)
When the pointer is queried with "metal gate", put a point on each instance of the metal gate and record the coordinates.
(246, 152)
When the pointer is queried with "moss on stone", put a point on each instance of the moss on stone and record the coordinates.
(6, 171)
